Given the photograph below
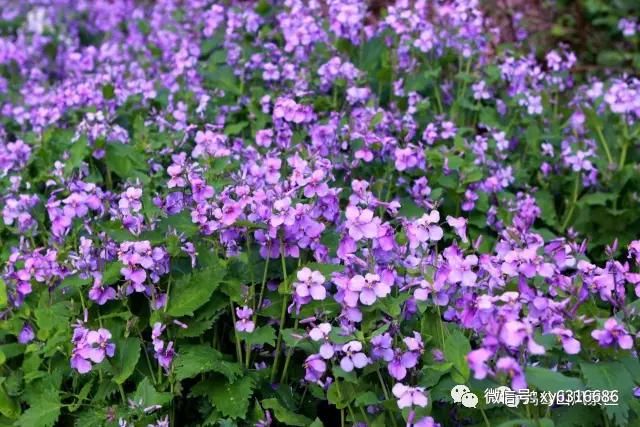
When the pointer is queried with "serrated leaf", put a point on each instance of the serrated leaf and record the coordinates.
(194, 290)
(42, 413)
(232, 399)
(611, 376)
(126, 359)
(284, 415)
(44, 403)
(197, 359)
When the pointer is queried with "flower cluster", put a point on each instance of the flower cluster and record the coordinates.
(277, 207)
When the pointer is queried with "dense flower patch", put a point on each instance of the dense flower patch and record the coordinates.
(307, 213)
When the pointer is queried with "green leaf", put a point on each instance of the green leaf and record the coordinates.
(50, 318)
(82, 395)
(598, 199)
(284, 415)
(366, 399)
(548, 380)
(44, 403)
(194, 290)
(125, 161)
(611, 376)
(198, 359)
(340, 394)
(409, 209)
(430, 375)
(3, 294)
(8, 407)
(148, 394)
(235, 128)
(376, 119)
(41, 413)
(232, 399)
(77, 153)
(544, 199)
(261, 335)
(223, 78)
(126, 359)
(456, 348)
(108, 91)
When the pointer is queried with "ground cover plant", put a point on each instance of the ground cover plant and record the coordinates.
(311, 213)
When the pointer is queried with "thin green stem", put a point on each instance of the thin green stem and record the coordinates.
(386, 394)
(572, 204)
(486, 419)
(283, 377)
(235, 333)
(283, 312)
(625, 145)
(603, 141)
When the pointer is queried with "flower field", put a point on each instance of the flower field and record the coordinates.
(314, 213)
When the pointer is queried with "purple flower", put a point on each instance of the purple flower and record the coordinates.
(396, 368)
(165, 355)
(101, 293)
(90, 346)
(353, 356)
(477, 360)
(569, 343)
(26, 334)
(382, 347)
(424, 229)
(244, 322)
(515, 333)
(409, 396)
(510, 366)
(612, 334)
(459, 225)
(361, 223)
(310, 283)
(370, 287)
(315, 368)
(321, 333)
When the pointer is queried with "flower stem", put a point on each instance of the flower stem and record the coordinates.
(235, 333)
(283, 312)
(572, 205)
(604, 144)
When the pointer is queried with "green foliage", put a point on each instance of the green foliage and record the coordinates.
(194, 290)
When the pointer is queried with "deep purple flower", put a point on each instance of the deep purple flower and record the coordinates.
(26, 334)
(382, 347)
